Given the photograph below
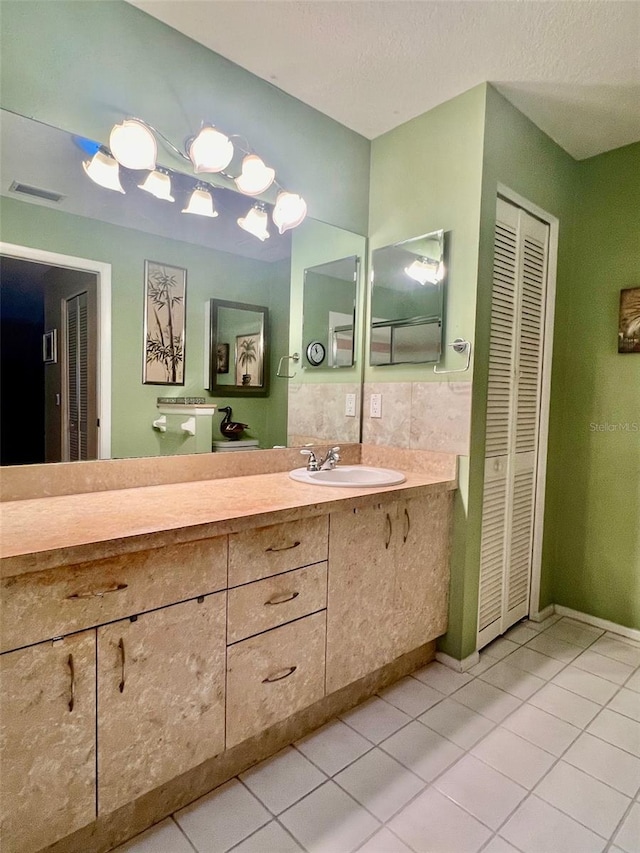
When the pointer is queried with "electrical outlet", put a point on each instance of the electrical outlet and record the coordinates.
(375, 406)
(350, 405)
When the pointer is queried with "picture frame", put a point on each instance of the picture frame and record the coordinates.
(50, 347)
(165, 293)
(249, 361)
(629, 320)
(222, 358)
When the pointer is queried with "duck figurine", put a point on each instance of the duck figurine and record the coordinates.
(231, 429)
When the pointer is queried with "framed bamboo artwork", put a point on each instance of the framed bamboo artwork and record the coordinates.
(165, 293)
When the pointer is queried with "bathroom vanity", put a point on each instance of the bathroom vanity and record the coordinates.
(158, 640)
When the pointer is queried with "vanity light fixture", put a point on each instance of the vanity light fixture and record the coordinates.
(210, 151)
(133, 144)
(158, 183)
(103, 170)
(255, 177)
(425, 271)
(201, 203)
(289, 211)
(255, 222)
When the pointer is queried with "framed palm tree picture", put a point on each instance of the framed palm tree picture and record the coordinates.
(165, 293)
(249, 361)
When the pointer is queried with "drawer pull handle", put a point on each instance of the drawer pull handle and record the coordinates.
(387, 541)
(72, 685)
(99, 593)
(278, 676)
(282, 598)
(122, 663)
(407, 525)
(284, 548)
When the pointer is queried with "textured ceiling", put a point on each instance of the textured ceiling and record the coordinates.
(573, 67)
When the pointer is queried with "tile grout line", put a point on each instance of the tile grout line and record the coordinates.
(181, 830)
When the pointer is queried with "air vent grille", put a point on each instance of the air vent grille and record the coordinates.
(37, 192)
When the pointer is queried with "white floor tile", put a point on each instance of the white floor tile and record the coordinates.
(575, 632)
(433, 823)
(537, 827)
(333, 746)
(585, 799)
(500, 648)
(384, 841)
(217, 821)
(423, 751)
(283, 779)
(515, 757)
(617, 650)
(328, 820)
(620, 638)
(515, 681)
(634, 682)
(379, 783)
(605, 762)
(481, 790)
(546, 623)
(411, 696)
(626, 702)
(554, 647)
(269, 839)
(487, 700)
(521, 634)
(542, 729)
(164, 837)
(442, 677)
(376, 719)
(586, 684)
(603, 666)
(618, 730)
(628, 837)
(537, 664)
(457, 723)
(565, 705)
(483, 664)
(499, 845)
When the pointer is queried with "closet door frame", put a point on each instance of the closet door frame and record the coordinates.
(509, 195)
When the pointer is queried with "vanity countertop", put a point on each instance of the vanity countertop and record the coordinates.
(43, 533)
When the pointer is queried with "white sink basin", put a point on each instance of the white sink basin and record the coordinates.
(356, 476)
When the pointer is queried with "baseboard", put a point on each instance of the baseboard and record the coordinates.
(613, 627)
(543, 614)
(458, 665)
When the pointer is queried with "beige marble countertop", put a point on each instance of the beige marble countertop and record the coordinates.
(42, 533)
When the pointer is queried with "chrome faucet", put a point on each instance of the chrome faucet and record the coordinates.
(327, 464)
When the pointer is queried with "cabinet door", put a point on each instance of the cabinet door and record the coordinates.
(47, 742)
(421, 549)
(161, 691)
(360, 608)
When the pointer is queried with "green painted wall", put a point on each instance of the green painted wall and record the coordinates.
(209, 274)
(83, 66)
(592, 519)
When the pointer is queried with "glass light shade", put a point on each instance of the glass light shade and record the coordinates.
(424, 271)
(255, 222)
(159, 185)
(210, 151)
(289, 211)
(133, 145)
(103, 170)
(201, 203)
(255, 177)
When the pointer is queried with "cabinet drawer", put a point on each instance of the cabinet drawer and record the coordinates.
(266, 551)
(48, 604)
(266, 604)
(272, 676)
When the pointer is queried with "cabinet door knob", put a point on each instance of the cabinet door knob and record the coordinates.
(273, 550)
(72, 685)
(97, 593)
(387, 541)
(281, 598)
(278, 676)
(122, 665)
(407, 528)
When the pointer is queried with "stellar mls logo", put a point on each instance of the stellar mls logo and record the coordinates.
(629, 426)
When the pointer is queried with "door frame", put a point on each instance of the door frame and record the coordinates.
(553, 222)
(102, 272)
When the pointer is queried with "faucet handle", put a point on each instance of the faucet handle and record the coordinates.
(312, 464)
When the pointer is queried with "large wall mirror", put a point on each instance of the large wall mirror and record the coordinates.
(54, 218)
(407, 298)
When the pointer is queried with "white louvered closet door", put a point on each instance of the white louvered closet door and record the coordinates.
(513, 413)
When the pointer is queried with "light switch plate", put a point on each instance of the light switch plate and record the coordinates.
(375, 406)
(350, 405)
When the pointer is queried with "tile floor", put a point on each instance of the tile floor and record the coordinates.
(536, 749)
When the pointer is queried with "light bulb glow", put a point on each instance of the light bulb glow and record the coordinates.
(255, 222)
(133, 145)
(255, 177)
(158, 184)
(425, 271)
(289, 211)
(104, 171)
(210, 151)
(201, 204)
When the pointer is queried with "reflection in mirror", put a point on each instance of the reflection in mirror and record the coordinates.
(329, 313)
(51, 212)
(408, 282)
(239, 349)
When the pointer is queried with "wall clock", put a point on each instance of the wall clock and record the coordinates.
(315, 353)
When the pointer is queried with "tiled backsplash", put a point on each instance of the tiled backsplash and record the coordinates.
(316, 413)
